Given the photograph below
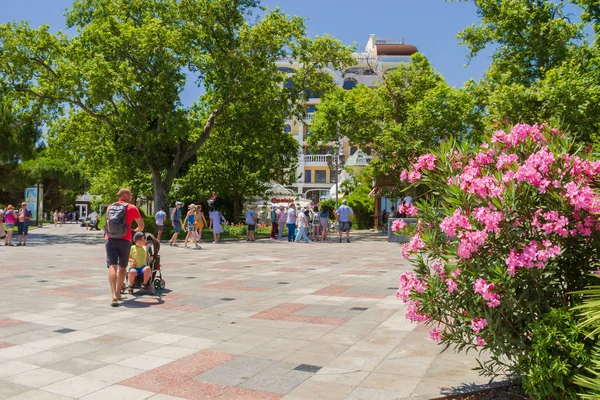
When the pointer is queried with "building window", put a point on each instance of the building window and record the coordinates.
(321, 176)
(350, 83)
(307, 177)
(289, 84)
(285, 70)
(311, 109)
(287, 128)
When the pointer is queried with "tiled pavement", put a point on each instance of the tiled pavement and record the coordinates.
(263, 320)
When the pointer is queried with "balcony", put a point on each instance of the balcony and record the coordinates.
(320, 159)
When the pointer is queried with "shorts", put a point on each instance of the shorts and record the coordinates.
(117, 252)
(138, 271)
(251, 227)
(23, 228)
(344, 226)
(190, 227)
(160, 227)
(10, 226)
(176, 226)
(324, 223)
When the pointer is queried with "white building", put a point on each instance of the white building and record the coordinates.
(380, 56)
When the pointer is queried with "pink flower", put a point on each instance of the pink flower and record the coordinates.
(409, 281)
(426, 161)
(506, 159)
(457, 220)
(451, 284)
(491, 219)
(414, 246)
(579, 197)
(403, 175)
(479, 341)
(438, 267)
(435, 334)
(413, 313)
(477, 324)
(470, 242)
(485, 290)
(408, 209)
(398, 225)
(532, 256)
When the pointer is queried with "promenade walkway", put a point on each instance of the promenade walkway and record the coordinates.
(263, 320)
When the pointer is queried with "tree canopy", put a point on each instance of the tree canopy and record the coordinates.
(118, 81)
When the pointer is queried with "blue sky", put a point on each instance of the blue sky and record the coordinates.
(431, 25)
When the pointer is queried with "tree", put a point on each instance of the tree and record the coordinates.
(126, 68)
(412, 110)
(531, 37)
(240, 161)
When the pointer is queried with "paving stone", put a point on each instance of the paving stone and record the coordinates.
(308, 368)
(290, 308)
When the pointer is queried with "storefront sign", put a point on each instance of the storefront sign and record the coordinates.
(279, 201)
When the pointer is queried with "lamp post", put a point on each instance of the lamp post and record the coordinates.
(334, 167)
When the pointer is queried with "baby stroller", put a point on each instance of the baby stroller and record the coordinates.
(153, 261)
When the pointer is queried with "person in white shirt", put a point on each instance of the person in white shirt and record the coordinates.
(291, 222)
(302, 225)
(160, 218)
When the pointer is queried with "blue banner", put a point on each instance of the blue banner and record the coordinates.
(31, 198)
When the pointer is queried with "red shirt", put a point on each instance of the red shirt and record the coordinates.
(130, 215)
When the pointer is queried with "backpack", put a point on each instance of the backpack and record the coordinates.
(116, 221)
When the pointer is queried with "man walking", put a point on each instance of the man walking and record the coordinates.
(117, 233)
(23, 217)
(176, 223)
(159, 218)
(344, 214)
(291, 222)
(274, 225)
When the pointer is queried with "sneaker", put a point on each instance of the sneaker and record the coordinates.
(19, 244)
(347, 240)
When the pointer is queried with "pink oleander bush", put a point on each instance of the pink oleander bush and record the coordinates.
(507, 230)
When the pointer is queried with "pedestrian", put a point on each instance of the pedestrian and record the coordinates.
(316, 223)
(291, 222)
(190, 227)
(251, 219)
(117, 233)
(281, 218)
(61, 218)
(176, 223)
(344, 215)
(55, 217)
(216, 219)
(384, 222)
(308, 219)
(324, 215)
(302, 227)
(2, 233)
(160, 218)
(23, 217)
(10, 219)
(274, 223)
(200, 222)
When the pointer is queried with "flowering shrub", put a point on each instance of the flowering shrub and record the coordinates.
(506, 232)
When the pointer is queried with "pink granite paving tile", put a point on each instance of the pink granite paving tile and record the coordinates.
(196, 390)
(235, 285)
(239, 393)
(172, 296)
(77, 273)
(292, 307)
(10, 322)
(290, 270)
(364, 296)
(280, 312)
(165, 377)
(358, 272)
(4, 345)
(333, 290)
(298, 318)
(329, 321)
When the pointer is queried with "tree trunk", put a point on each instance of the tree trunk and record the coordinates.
(237, 207)
(161, 192)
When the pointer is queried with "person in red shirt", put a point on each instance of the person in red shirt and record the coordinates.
(117, 249)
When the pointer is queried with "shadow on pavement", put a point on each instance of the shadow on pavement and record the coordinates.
(47, 238)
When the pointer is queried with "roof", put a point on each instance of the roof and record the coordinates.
(395, 49)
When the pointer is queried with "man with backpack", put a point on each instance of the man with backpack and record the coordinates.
(117, 233)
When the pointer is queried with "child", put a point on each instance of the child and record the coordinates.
(137, 262)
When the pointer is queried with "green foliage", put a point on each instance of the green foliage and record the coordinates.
(412, 110)
(362, 205)
(117, 82)
(559, 351)
(589, 313)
